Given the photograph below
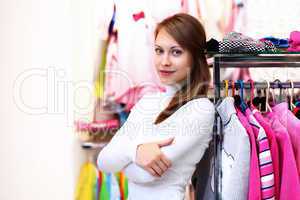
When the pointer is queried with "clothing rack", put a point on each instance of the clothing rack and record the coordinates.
(264, 85)
(283, 60)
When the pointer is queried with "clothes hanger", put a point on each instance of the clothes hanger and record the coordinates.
(267, 106)
(232, 88)
(291, 102)
(280, 97)
(226, 87)
(243, 106)
(237, 98)
(259, 100)
(252, 87)
(296, 108)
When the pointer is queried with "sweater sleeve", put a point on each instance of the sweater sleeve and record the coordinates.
(137, 174)
(194, 131)
(121, 150)
(193, 128)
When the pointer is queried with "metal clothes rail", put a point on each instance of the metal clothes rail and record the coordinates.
(282, 60)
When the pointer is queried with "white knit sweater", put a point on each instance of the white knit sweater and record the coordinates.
(191, 125)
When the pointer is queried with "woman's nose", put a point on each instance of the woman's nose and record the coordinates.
(166, 60)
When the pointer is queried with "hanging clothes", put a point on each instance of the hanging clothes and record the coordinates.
(114, 188)
(273, 148)
(104, 189)
(287, 164)
(107, 68)
(235, 153)
(296, 112)
(109, 187)
(86, 188)
(123, 185)
(108, 36)
(265, 159)
(292, 124)
(254, 192)
(134, 67)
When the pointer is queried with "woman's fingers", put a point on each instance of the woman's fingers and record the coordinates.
(151, 158)
(152, 172)
(159, 166)
(157, 169)
(165, 160)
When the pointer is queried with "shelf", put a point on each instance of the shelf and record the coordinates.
(257, 60)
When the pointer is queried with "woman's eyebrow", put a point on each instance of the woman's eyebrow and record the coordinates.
(172, 47)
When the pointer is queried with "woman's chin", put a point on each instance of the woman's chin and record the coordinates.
(166, 82)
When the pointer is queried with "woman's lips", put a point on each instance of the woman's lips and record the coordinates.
(165, 72)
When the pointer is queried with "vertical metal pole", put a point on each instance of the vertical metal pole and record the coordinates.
(216, 129)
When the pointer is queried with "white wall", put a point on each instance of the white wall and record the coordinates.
(41, 52)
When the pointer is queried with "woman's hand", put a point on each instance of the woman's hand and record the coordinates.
(150, 157)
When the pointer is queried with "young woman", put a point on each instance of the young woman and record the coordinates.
(167, 133)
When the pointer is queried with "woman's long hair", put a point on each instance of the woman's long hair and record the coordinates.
(188, 32)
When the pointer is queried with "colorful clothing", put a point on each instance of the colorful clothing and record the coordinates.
(273, 147)
(254, 175)
(265, 159)
(292, 124)
(86, 188)
(288, 168)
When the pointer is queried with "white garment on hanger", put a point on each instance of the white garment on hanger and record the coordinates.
(235, 153)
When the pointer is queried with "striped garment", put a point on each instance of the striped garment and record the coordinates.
(265, 159)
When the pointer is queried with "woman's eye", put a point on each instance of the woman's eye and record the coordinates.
(176, 52)
(158, 51)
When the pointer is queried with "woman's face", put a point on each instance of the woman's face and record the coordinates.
(172, 62)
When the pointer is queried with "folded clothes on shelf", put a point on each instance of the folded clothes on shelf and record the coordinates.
(97, 125)
(99, 131)
(277, 42)
(294, 41)
(234, 42)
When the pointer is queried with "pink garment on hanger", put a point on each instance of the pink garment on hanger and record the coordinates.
(265, 161)
(273, 147)
(287, 164)
(292, 124)
(254, 192)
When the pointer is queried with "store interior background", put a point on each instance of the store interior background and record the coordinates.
(48, 53)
